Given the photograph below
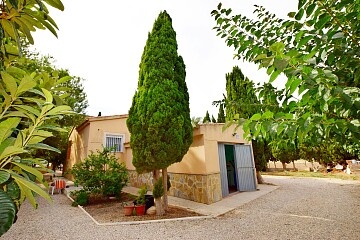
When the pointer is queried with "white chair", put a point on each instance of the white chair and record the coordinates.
(58, 184)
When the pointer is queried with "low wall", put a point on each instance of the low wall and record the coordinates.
(199, 188)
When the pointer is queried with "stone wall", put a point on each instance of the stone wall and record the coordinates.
(199, 188)
(139, 180)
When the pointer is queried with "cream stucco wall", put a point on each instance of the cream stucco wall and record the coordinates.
(202, 157)
(90, 136)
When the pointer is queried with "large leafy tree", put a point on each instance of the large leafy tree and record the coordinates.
(75, 98)
(27, 103)
(242, 103)
(318, 51)
(159, 118)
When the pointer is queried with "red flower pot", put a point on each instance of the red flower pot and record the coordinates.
(140, 210)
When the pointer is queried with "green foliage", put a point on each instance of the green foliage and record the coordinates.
(28, 101)
(213, 120)
(76, 99)
(7, 212)
(101, 173)
(159, 118)
(241, 101)
(81, 198)
(195, 121)
(325, 152)
(206, 119)
(140, 200)
(158, 190)
(221, 114)
(317, 50)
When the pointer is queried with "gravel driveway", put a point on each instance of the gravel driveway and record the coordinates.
(301, 208)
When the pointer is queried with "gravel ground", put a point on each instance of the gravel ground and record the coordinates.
(302, 208)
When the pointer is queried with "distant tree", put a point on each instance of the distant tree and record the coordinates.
(195, 121)
(207, 119)
(241, 101)
(221, 114)
(213, 120)
(76, 99)
(159, 117)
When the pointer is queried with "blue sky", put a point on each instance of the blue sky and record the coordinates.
(102, 42)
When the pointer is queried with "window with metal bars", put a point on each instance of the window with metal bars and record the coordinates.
(114, 141)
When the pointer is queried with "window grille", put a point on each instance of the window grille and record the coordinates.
(114, 141)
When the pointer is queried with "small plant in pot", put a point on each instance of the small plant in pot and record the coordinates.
(140, 201)
(128, 208)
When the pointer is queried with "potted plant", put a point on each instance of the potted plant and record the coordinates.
(140, 201)
(128, 208)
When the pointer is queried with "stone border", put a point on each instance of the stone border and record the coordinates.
(136, 222)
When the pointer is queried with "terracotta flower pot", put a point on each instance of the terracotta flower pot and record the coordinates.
(128, 210)
(140, 210)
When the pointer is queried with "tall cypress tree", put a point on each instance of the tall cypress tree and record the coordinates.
(242, 102)
(213, 120)
(207, 117)
(241, 98)
(221, 114)
(159, 118)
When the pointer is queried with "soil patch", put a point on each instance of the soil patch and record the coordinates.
(106, 210)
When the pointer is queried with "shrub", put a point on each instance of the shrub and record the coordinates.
(101, 173)
(81, 198)
(158, 190)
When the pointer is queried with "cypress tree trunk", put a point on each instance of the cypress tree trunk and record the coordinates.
(165, 197)
(158, 202)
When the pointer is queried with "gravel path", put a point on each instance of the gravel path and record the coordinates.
(301, 208)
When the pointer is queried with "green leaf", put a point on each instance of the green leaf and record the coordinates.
(310, 9)
(31, 170)
(56, 4)
(27, 109)
(268, 115)
(260, 56)
(323, 19)
(43, 146)
(294, 85)
(274, 75)
(7, 212)
(299, 14)
(4, 176)
(280, 64)
(63, 80)
(277, 47)
(10, 151)
(59, 110)
(7, 127)
(8, 28)
(27, 185)
(304, 40)
(25, 84)
(256, 117)
(48, 95)
(291, 14)
(10, 83)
